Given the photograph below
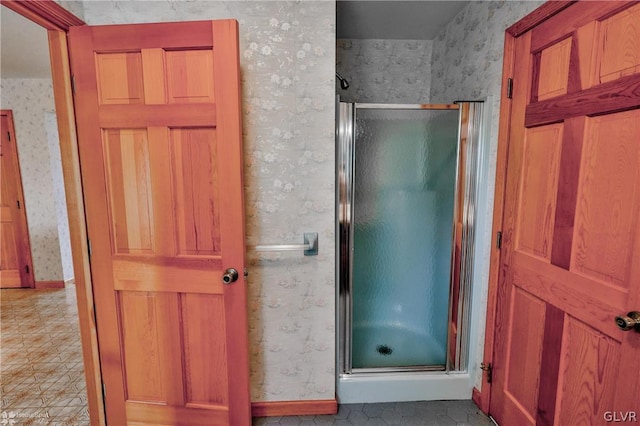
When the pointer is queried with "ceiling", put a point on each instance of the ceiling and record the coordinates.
(396, 20)
(25, 53)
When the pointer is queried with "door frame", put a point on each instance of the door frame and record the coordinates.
(25, 254)
(57, 21)
(482, 397)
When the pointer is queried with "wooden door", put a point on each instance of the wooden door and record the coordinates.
(571, 231)
(158, 114)
(16, 269)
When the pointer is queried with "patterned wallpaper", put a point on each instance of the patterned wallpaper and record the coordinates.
(385, 71)
(31, 100)
(75, 7)
(288, 62)
(53, 140)
(467, 64)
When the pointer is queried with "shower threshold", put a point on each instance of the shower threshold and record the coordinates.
(416, 369)
(400, 386)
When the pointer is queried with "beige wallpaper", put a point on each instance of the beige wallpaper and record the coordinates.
(288, 62)
(32, 102)
(55, 161)
(385, 71)
(72, 6)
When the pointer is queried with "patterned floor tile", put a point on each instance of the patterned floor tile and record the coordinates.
(42, 377)
(41, 359)
(433, 413)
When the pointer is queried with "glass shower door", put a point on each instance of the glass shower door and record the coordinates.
(404, 179)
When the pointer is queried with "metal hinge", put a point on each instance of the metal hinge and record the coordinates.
(104, 390)
(26, 269)
(487, 368)
(499, 240)
(9, 135)
(73, 84)
(510, 88)
(18, 204)
(89, 247)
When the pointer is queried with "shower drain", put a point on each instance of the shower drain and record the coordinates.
(384, 350)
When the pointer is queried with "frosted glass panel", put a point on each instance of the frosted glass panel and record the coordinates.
(404, 184)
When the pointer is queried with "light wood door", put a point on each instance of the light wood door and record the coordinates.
(571, 231)
(158, 114)
(16, 269)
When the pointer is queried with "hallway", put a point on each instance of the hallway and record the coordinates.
(41, 371)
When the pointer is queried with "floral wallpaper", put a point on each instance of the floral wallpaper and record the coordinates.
(74, 7)
(31, 100)
(384, 71)
(53, 140)
(288, 62)
(467, 64)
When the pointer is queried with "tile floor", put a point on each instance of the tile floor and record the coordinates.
(433, 413)
(42, 378)
(41, 371)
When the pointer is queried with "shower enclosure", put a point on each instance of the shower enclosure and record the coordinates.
(406, 180)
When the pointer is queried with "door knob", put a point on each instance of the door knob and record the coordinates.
(230, 275)
(631, 321)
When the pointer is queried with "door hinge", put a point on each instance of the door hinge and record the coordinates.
(26, 269)
(510, 88)
(18, 204)
(89, 246)
(73, 84)
(487, 368)
(499, 240)
(9, 136)
(104, 390)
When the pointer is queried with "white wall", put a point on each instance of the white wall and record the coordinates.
(385, 71)
(467, 64)
(288, 63)
(31, 101)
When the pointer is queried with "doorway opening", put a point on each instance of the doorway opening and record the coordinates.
(407, 182)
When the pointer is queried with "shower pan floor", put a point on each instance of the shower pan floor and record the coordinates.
(394, 346)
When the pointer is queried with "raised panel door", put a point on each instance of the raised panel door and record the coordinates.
(161, 157)
(570, 260)
(16, 269)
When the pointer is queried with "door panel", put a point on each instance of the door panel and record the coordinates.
(528, 312)
(126, 153)
(589, 375)
(571, 247)
(193, 160)
(16, 269)
(605, 234)
(538, 190)
(619, 45)
(161, 155)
